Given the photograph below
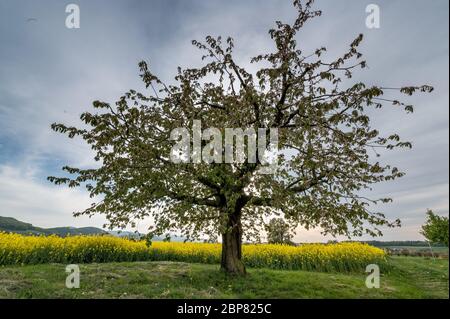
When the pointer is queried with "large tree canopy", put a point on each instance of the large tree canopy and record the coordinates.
(325, 144)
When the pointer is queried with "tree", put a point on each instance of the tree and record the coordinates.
(278, 232)
(325, 143)
(435, 229)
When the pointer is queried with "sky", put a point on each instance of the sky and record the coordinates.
(49, 73)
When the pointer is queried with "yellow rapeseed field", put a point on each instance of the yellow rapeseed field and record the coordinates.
(19, 249)
(322, 257)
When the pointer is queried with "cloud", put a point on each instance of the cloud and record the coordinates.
(51, 74)
(43, 205)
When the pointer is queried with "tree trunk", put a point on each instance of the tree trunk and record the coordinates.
(232, 247)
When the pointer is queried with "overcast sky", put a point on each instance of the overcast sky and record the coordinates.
(49, 73)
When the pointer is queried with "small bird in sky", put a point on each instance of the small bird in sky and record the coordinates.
(31, 20)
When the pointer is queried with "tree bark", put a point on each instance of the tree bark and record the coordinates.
(232, 247)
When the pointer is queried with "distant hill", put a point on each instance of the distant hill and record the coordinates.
(12, 225)
(9, 223)
(136, 235)
(65, 231)
(127, 234)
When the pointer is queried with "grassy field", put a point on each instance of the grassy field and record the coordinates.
(408, 277)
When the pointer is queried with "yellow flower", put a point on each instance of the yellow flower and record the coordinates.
(19, 249)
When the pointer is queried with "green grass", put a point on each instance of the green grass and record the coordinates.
(408, 277)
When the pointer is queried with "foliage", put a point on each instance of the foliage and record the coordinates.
(435, 229)
(278, 232)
